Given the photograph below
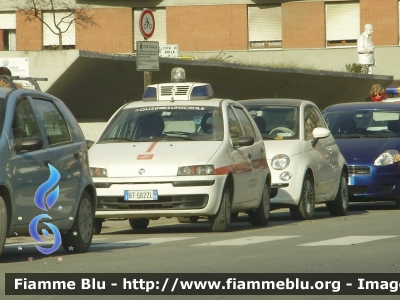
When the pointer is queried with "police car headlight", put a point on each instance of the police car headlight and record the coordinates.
(388, 157)
(98, 172)
(280, 161)
(196, 170)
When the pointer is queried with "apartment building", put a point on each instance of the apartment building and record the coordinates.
(207, 25)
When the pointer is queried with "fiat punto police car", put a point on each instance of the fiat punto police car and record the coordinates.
(181, 153)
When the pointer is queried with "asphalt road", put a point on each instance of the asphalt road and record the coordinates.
(367, 240)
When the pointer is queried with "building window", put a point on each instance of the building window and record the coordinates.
(265, 26)
(8, 41)
(50, 40)
(160, 32)
(342, 24)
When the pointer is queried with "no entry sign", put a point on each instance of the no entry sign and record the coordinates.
(147, 23)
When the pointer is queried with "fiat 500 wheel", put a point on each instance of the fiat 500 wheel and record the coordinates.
(305, 209)
(191, 219)
(340, 205)
(97, 226)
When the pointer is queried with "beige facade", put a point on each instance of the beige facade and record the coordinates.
(220, 25)
(247, 30)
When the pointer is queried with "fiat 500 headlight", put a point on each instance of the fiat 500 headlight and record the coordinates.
(196, 170)
(280, 161)
(387, 158)
(98, 172)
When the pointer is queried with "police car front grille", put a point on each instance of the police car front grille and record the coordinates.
(175, 90)
(358, 170)
(163, 203)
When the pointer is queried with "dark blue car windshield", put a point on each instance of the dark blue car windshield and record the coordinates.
(364, 123)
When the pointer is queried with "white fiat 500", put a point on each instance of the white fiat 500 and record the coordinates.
(306, 164)
(181, 153)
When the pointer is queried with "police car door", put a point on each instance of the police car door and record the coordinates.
(242, 168)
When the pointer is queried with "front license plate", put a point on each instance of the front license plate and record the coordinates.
(140, 195)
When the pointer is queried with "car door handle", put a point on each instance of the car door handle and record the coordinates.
(46, 162)
(249, 155)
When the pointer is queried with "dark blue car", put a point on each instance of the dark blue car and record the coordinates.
(368, 135)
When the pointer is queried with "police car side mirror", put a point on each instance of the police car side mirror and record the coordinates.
(30, 143)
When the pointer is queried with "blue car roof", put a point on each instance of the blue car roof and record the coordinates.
(363, 105)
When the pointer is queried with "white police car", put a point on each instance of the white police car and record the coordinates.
(181, 153)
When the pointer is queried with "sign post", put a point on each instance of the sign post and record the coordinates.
(147, 25)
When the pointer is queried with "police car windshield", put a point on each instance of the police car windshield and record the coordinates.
(168, 123)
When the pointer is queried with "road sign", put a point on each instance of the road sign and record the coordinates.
(147, 58)
(147, 23)
(169, 51)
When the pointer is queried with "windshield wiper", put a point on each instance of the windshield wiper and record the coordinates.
(185, 138)
(117, 139)
(265, 137)
(351, 136)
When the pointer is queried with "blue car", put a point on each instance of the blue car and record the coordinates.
(368, 135)
(45, 181)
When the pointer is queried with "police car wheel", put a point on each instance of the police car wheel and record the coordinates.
(260, 217)
(3, 223)
(221, 222)
(340, 205)
(139, 224)
(79, 237)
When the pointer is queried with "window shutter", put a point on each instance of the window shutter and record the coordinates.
(342, 21)
(265, 23)
(49, 38)
(160, 32)
(7, 21)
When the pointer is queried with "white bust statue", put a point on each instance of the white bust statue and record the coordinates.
(365, 48)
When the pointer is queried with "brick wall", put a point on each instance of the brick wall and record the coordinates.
(303, 25)
(203, 27)
(29, 34)
(113, 33)
(384, 16)
(1, 40)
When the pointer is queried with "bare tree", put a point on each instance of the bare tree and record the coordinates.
(73, 14)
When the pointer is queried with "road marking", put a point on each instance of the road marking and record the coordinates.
(41, 244)
(349, 240)
(142, 242)
(247, 240)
